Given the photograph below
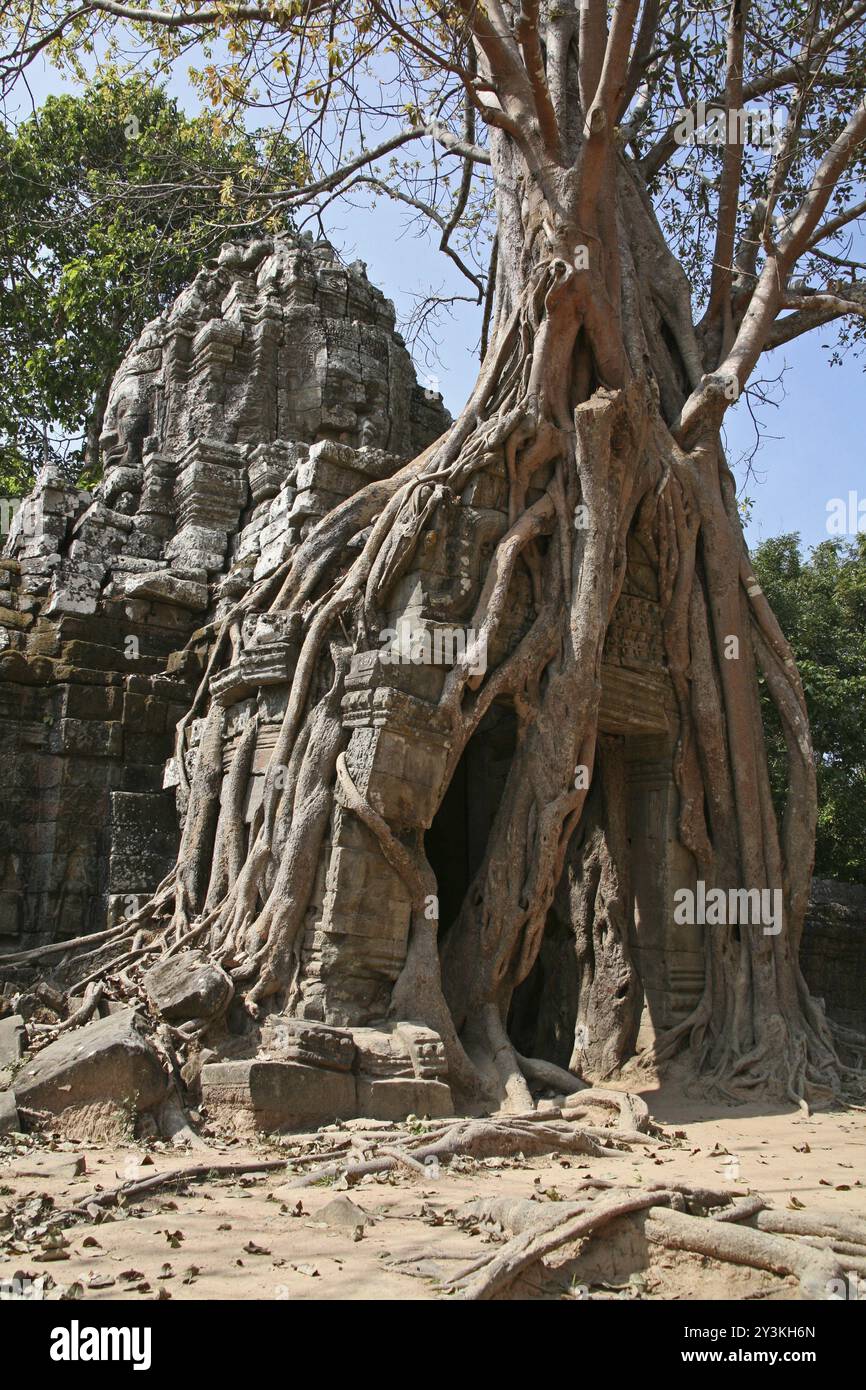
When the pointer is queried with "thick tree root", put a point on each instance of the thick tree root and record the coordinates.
(548, 1074)
(176, 1178)
(816, 1270)
(537, 1231)
(489, 1138)
(850, 1230)
(544, 1236)
(632, 1112)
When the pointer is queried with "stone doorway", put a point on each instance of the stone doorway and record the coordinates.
(668, 958)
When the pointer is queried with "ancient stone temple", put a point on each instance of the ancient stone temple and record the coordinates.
(275, 385)
(274, 388)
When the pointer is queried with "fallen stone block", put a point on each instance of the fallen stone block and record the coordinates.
(9, 1121)
(11, 1040)
(106, 1060)
(393, 1098)
(342, 1214)
(276, 1095)
(48, 1165)
(188, 985)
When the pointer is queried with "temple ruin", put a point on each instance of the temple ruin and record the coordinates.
(274, 388)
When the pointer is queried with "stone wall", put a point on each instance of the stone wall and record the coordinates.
(833, 950)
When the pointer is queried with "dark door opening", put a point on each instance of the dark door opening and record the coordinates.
(457, 839)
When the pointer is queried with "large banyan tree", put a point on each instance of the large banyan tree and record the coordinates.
(652, 235)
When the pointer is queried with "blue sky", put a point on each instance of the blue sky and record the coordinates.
(814, 440)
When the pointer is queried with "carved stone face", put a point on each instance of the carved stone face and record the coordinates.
(126, 424)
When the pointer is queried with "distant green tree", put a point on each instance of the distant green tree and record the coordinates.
(109, 202)
(820, 602)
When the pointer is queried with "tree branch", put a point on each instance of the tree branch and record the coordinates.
(711, 399)
(592, 41)
(528, 38)
(719, 305)
(812, 311)
(643, 48)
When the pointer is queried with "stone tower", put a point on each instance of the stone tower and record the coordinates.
(274, 386)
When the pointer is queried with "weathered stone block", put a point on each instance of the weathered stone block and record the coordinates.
(165, 587)
(426, 1050)
(93, 702)
(9, 1121)
(315, 1044)
(144, 713)
(95, 656)
(107, 1060)
(270, 558)
(188, 985)
(198, 548)
(277, 1095)
(317, 473)
(90, 738)
(393, 1098)
(11, 1040)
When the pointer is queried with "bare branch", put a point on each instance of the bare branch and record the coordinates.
(643, 48)
(528, 37)
(816, 310)
(834, 224)
(719, 305)
(593, 38)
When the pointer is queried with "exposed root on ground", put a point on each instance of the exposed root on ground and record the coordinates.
(741, 1232)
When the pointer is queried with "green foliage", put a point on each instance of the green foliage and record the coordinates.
(109, 202)
(821, 605)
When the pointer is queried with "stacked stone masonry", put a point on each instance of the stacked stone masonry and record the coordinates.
(274, 387)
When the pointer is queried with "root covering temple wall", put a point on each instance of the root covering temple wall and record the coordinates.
(272, 392)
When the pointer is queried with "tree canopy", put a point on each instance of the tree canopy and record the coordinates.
(103, 219)
(744, 122)
(821, 604)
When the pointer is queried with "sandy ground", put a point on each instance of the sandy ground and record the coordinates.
(255, 1238)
